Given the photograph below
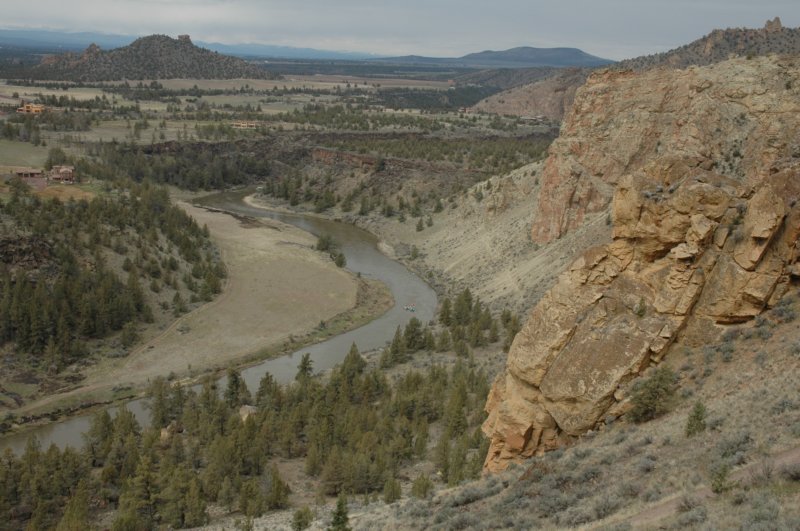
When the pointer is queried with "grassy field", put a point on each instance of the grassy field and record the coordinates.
(30, 93)
(21, 154)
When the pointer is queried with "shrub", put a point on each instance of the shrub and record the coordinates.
(719, 477)
(652, 396)
(606, 506)
(302, 518)
(646, 465)
(697, 420)
(687, 503)
(791, 472)
(696, 516)
(575, 516)
(391, 490)
(734, 447)
(421, 487)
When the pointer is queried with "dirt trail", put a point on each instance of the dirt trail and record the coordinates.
(649, 516)
(277, 286)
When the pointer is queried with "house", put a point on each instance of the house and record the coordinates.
(62, 174)
(28, 173)
(244, 124)
(31, 108)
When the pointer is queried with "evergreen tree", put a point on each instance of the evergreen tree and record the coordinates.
(195, 515)
(278, 494)
(76, 514)
(340, 520)
(445, 316)
(304, 368)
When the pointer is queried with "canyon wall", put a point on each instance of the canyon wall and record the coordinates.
(734, 117)
(701, 168)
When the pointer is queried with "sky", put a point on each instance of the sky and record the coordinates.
(613, 29)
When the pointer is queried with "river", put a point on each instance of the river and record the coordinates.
(361, 250)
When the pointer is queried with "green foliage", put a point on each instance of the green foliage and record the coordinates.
(421, 487)
(391, 490)
(85, 299)
(720, 482)
(696, 422)
(652, 397)
(353, 429)
(340, 520)
(302, 518)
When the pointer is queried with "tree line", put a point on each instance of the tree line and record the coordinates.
(353, 430)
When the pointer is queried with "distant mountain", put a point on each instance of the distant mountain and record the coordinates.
(60, 40)
(720, 45)
(282, 52)
(55, 40)
(153, 57)
(522, 57)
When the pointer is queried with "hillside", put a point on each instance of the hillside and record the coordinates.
(720, 45)
(82, 281)
(153, 57)
(552, 97)
(521, 57)
(505, 78)
(700, 167)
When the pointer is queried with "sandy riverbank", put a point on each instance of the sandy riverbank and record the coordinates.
(277, 287)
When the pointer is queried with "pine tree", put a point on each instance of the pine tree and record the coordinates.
(304, 368)
(340, 519)
(76, 514)
(391, 490)
(195, 515)
(445, 315)
(278, 495)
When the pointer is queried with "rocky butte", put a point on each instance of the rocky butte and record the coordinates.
(701, 171)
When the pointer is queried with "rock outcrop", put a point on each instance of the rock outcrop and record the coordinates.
(152, 57)
(736, 117)
(701, 237)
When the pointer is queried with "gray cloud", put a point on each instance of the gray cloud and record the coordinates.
(608, 28)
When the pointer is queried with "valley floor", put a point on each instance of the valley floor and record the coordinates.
(277, 287)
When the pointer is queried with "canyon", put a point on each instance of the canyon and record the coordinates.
(697, 171)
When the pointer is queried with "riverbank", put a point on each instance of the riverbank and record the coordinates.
(280, 296)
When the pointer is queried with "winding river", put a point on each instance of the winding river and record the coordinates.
(361, 250)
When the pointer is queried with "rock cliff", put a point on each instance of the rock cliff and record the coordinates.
(736, 117)
(702, 170)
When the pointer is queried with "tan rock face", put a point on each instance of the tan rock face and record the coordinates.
(737, 117)
(692, 247)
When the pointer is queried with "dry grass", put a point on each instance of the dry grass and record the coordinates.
(14, 154)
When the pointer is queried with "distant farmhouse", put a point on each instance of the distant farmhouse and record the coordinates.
(62, 174)
(39, 179)
(29, 173)
(244, 124)
(31, 108)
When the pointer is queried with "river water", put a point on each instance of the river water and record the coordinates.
(360, 249)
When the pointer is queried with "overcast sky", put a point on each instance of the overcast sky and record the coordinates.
(615, 29)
